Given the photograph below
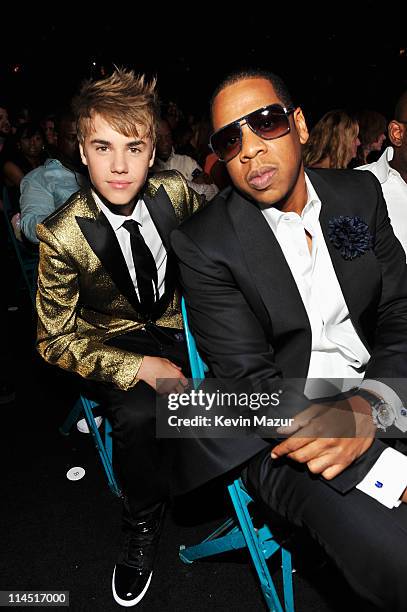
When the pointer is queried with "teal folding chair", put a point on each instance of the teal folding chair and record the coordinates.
(104, 447)
(239, 532)
(28, 260)
(29, 265)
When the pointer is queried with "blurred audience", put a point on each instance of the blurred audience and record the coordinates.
(48, 187)
(172, 113)
(5, 130)
(26, 152)
(5, 126)
(333, 141)
(167, 159)
(217, 171)
(20, 115)
(391, 170)
(48, 125)
(182, 136)
(372, 134)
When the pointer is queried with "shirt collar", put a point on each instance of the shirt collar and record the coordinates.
(51, 161)
(116, 221)
(383, 168)
(310, 211)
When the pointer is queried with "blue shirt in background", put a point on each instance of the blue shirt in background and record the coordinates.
(43, 190)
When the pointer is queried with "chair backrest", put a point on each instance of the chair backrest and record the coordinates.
(28, 261)
(198, 367)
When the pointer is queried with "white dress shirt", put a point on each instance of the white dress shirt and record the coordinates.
(150, 234)
(337, 353)
(395, 193)
(186, 165)
(183, 163)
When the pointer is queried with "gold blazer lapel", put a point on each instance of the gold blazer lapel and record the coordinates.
(162, 213)
(101, 238)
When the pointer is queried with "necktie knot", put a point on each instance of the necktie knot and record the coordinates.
(132, 227)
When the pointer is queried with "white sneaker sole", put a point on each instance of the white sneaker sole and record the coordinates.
(82, 425)
(131, 602)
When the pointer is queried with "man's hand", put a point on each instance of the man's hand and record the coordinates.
(16, 223)
(153, 368)
(321, 436)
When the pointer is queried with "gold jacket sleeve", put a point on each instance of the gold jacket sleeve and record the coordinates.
(64, 338)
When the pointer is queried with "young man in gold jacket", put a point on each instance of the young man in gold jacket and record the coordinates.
(107, 305)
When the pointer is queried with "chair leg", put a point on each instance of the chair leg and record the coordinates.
(108, 440)
(71, 418)
(105, 455)
(261, 544)
(215, 544)
(287, 580)
(258, 550)
(105, 450)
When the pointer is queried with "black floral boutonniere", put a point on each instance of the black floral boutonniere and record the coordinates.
(350, 235)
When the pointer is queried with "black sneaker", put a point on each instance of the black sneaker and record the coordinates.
(133, 571)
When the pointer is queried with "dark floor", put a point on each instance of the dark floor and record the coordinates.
(56, 534)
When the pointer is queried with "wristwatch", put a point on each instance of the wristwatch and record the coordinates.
(382, 413)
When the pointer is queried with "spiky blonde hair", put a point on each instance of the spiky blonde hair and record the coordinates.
(126, 101)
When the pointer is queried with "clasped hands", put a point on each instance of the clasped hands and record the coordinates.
(171, 378)
(328, 437)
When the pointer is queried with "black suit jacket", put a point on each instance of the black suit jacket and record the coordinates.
(244, 306)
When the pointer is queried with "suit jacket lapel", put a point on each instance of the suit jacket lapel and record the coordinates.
(164, 218)
(268, 267)
(162, 213)
(102, 240)
(352, 274)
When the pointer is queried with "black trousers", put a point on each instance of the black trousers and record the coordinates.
(141, 461)
(366, 540)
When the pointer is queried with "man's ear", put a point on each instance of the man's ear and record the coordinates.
(152, 158)
(397, 132)
(83, 156)
(301, 125)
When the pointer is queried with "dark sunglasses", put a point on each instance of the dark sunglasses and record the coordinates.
(269, 122)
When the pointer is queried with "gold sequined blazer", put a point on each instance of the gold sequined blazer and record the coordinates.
(85, 293)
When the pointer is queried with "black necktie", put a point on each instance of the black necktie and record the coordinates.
(144, 264)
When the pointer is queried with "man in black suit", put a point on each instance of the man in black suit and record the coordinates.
(290, 274)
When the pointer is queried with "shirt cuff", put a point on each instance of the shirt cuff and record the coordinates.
(391, 398)
(387, 479)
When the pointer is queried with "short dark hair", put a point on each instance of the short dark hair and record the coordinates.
(371, 125)
(255, 73)
(29, 129)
